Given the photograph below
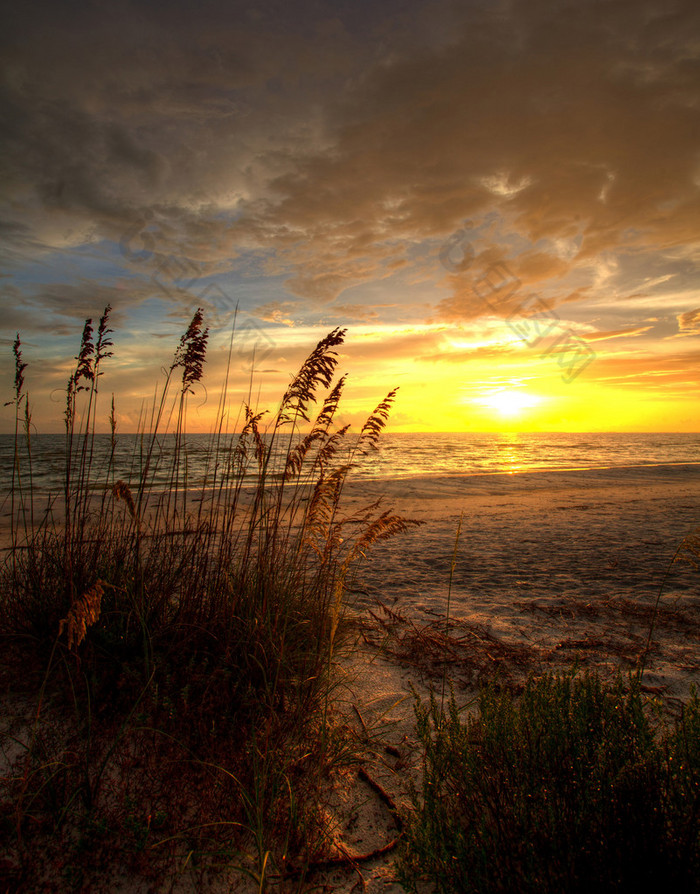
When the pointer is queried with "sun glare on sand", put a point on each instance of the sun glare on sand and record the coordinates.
(508, 403)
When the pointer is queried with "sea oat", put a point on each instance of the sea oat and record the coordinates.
(20, 367)
(83, 613)
(330, 448)
(122, 491)
(251, 425)
(689, 550)
(382, 528)
(70, 403)
(319, 432)
(376, 422)
(103, 339)
(330, 405)
(297, 455)
(325, 496)
(317, 369)
(191, 351)
(84, 370)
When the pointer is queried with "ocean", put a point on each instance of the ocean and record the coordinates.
(398, 455)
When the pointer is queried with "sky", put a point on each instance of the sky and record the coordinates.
(500, 202)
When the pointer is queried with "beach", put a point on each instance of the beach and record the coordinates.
(568, 565)
(507, 575)
(551, 570)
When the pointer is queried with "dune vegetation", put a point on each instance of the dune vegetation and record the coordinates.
(574, 785)
(168, 653)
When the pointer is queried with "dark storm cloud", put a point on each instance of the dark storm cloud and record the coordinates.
(573, 120)
(337, 136)
(119, 109)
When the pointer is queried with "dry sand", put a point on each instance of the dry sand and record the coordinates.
(550, 569)
(562, 562)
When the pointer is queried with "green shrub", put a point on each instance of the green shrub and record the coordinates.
(569, 788)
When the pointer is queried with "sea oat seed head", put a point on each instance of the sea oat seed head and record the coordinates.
(83, 613)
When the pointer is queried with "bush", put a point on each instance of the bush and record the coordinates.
(569, 788)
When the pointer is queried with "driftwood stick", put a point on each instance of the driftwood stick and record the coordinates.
(349, 859)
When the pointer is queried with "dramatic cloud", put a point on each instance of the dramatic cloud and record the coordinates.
(689, 322)
(371, 163)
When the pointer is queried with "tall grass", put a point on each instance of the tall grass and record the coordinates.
(169, 638)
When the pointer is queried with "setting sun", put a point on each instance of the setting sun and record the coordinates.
(508, 402)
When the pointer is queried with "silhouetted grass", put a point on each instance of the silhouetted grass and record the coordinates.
(177, 653)
(571, 787)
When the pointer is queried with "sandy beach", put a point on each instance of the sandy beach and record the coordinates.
(566, 564)
(548, 570)
(551, 569)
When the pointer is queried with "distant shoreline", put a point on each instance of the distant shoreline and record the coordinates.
(356, 481)
(403, 456)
